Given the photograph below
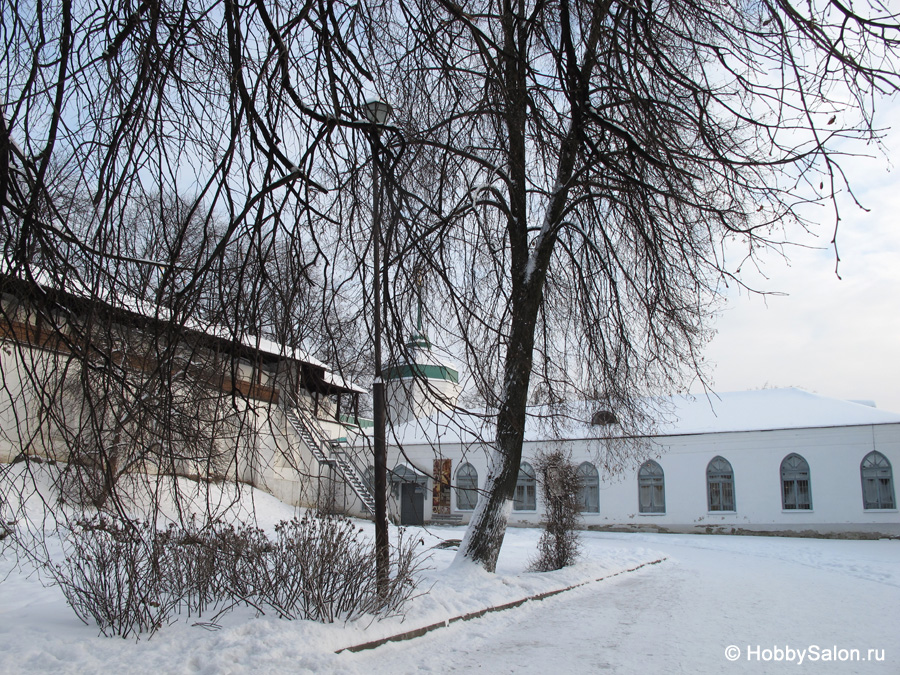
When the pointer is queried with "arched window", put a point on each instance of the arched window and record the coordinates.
(589, 490)
(603, 418)
(795, 487)
(526, 489)
(466, 487)
(877, 482)
(720, 485)
(651, 488)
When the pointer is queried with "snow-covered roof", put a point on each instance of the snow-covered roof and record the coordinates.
(761, 410)
(767, 409)
(267, 346)
(73, 286)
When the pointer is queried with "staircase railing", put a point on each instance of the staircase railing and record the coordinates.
(341, 452)
(326, 450)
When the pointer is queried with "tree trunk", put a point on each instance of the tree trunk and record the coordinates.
(487, 527)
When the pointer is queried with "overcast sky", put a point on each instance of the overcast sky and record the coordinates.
(835, 337)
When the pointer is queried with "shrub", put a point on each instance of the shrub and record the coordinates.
(112, 574)
(559, 482)
(322, 569)
(133, 579)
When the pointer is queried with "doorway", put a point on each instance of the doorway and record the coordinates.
(412, 504)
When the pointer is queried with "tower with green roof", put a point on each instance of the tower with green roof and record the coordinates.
(419, 383)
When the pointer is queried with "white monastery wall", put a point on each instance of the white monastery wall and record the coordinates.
(834, 456)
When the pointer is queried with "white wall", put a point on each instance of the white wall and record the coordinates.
(271, 456)
(834, 456)
(410, 398)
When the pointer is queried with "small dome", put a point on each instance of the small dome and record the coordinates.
(418, 341)
(421, 362)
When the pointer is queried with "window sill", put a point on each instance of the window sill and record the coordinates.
(722, 513)
(879, 510)
(797, 511)
(654, 513)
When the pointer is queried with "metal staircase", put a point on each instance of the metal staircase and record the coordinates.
(327, 451)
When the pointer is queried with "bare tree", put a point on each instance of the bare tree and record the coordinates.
(125, 413)
(159, 219)
(562, 173)
(560, 542)
(572, 169)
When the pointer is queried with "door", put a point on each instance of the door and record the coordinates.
(412, 504)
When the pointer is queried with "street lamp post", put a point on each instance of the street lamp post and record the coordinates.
(378, 112)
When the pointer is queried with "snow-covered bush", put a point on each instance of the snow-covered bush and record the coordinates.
(134, 579)
(559, 482)
(320, 568)
(113, 574)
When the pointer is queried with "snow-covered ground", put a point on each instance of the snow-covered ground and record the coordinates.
(768, 598)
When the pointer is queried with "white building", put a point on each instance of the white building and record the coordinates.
(279, 419)
(760, 461)
(773, 460)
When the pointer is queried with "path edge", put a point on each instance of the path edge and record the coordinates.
(419, 632)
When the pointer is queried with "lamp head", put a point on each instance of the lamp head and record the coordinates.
(378, 111)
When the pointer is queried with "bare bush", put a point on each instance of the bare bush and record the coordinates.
(560, 542)
(133, 579)
(112, 574)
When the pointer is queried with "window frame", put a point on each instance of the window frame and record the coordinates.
(792, 474)
(526, 485)
(589, 488)
(369, 478)
(879, 464)
(720, 481)
(463, 474)
(651, 475)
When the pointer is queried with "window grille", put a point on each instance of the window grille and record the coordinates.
(720, 485)
(877, 482)
(795, 484)
(466, 487)
(651, 488)
(526, 489)
(589, 491)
